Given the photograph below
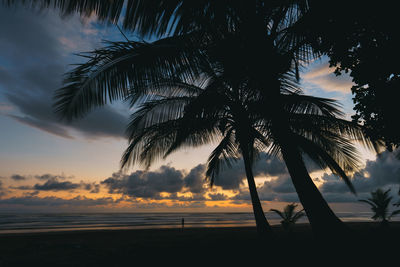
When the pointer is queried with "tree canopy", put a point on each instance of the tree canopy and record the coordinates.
(362, 38)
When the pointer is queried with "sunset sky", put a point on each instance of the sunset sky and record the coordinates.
(49, 165)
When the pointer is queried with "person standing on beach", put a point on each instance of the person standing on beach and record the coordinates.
(183, 222)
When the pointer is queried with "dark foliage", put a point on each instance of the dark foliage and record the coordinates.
(362, 38)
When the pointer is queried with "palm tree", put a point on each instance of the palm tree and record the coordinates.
(258, 40)
(123, 68)
(379, 202)
(289, 216)
(314, 125)
(175, 113)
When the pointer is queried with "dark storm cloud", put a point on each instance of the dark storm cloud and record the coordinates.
(151, 184)
(146, 184)
(195, 180)
(231, 178)
(277, 189)
(34, 58)
(53, 183)
(382, 172)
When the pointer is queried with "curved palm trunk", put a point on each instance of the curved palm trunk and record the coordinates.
(322, 219)
(263, 227)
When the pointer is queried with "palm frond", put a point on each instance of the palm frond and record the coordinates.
(224, 154)
(298, 215)
(104, 10)
(124, 69)
(304, 104)
(278, 212)
(337, 156)
(394, 213)
(372, 204)
(146, 145)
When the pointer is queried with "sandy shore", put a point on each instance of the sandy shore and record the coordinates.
(196, 245)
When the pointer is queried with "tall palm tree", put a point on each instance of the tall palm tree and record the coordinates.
(259, 39)
(123, 69)
(143, 71)
(379, 202)
(289, 216)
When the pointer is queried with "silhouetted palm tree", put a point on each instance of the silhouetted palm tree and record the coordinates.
(178, 113)
(289, 216)
(258, 40)
(130, 68)
(379, 202)
(124, 68)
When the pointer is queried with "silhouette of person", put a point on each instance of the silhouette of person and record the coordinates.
(183, 222)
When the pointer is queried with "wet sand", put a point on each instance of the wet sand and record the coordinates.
(196, 246)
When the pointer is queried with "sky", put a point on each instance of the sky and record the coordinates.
(48, 165)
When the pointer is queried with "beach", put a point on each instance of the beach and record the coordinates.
(198, 245)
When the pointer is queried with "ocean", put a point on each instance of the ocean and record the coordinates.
(49, 222)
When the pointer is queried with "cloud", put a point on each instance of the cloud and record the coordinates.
(182, 198)
(47, 176)
(91, 187)
(231, 178)
(276, 189)
(31, 68)
(151, 184)
(166, 179)
(53, 183)
(17, 177)
(195, 180)
(265, 166)
(322, 75)
(382, 172)
(146, 184)
(218, 196)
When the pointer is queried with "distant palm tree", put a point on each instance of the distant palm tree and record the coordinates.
(289, 216)
(379, 202)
